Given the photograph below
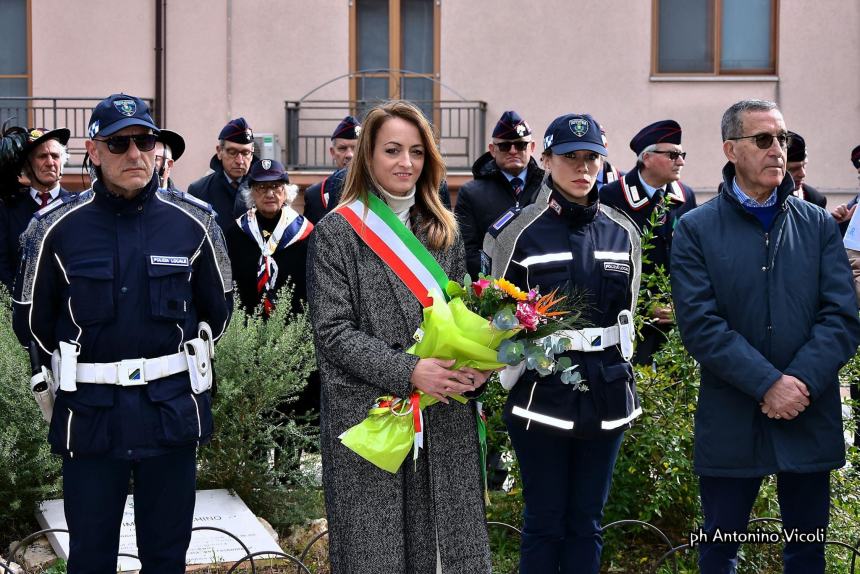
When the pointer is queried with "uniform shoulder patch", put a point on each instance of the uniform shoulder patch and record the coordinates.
(503, 221)
(62, 204)
(187, 198)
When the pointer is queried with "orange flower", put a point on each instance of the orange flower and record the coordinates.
(511, 289)
(547, 302)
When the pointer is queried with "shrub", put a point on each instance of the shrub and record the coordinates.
(28, 472)
(262, 366)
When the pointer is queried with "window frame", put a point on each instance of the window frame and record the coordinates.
(395, 51)
(29, 75)
(716, 72)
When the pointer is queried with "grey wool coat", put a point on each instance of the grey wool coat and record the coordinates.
(363, 318)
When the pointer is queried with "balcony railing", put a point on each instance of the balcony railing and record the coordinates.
(52, 113)
(310, 123)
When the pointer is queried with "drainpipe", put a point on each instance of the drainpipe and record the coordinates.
(229, 35)
(161, 62)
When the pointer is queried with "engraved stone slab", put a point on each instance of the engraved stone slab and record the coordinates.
(213, 508)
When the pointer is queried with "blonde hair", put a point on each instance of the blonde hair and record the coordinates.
(438, 222)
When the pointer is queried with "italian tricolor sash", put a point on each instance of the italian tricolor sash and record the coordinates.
(397, 246)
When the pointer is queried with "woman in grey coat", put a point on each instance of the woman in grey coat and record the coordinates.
(429, 516)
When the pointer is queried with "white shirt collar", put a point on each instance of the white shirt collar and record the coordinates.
(55, 192)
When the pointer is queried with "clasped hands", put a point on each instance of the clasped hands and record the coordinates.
(786, 398)
(435, 377)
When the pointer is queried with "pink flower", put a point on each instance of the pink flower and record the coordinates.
(527, 316)
(479, 286)
(532, 294)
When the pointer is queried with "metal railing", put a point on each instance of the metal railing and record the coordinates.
(52, 113)
(310, 123)
(667, 560)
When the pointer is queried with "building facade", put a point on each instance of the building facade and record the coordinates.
(628, 63)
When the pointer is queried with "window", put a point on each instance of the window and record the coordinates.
(14, 59)
(715, 37)
(395, 51)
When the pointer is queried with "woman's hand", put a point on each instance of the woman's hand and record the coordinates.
(435, 378)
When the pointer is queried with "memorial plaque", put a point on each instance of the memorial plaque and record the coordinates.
(213, 508)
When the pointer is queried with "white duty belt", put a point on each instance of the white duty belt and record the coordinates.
(196, 358)
(594, 339)
(131, 372)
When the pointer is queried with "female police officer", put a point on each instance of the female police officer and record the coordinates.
(567, 435)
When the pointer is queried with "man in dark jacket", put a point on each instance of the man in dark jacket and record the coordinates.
(764, 302)
(43, 158)
(506, 178)
(796, 167)
(653, 191)
(230, 164)
(342, 149)
(122, 291)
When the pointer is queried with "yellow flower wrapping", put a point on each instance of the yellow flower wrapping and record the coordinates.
(450, 331)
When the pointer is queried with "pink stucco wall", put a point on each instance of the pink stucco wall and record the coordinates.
(540, 58)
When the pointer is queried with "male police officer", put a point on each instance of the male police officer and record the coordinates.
(230, 164)
(318, 196)
(43, 158)
(168, 149)
(653, 190)
(796, 167)
(123, 289)
(506, 178)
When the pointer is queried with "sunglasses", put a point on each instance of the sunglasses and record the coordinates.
(673, 155)
(506, 146)
(119, 144)
(765, 140)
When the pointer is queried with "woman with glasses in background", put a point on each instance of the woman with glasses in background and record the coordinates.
(267, 245)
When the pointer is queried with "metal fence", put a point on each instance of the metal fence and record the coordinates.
(666, 562)
(51, 113)
(310, 123)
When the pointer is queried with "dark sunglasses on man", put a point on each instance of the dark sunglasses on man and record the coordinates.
(765, 140)
(119, 144)
(506, 146)
(673, 155)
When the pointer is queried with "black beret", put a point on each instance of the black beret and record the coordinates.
(347, 129)
(664, 131)
(511, 127)
(797, 148)
(237, 131)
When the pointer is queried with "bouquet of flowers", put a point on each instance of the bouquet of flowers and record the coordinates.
(486, 324)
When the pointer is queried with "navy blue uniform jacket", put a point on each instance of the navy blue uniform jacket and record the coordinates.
(217, 192)
(751, 306)
(592, 250)
(127, 279)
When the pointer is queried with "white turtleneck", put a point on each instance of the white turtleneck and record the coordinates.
(400, 204)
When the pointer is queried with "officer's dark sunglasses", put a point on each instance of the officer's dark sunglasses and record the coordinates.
(119, 144)
(506, 146)
(765, 140)
(673, 155)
